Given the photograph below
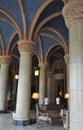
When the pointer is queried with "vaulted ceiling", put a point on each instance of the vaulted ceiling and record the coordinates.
(37, 20)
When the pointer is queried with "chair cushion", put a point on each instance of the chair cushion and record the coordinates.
(45, 118)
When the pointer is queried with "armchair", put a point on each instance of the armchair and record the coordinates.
(42, 115)
(66, 121)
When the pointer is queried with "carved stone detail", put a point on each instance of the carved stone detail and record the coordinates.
(73, 12)
(27, 46)
(66, 57)
(5, 59)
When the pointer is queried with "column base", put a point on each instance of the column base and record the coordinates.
(3, 111)
(23, 122)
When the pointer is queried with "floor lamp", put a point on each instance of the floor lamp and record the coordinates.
(35, 96)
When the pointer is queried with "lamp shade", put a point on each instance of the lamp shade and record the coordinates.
(67, 96)
(35, 95)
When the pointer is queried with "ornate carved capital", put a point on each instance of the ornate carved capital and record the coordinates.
(66, 57)
(27, 46)
(5, 59)
(73, 12)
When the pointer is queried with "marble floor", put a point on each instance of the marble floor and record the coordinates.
(6, 124)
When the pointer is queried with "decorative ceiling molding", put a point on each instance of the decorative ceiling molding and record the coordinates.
(39, 12)
(44, 22)
(63, 43)
(8, 50)
(23, 18)
(16, 25)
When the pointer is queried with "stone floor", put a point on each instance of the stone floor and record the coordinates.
(6, 124)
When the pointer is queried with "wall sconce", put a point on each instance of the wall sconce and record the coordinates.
(16, 76)
(60, 93)
(36, 72)
(67, 96)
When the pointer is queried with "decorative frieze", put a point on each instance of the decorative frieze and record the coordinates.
(5, 59)
(73, 12)
(27, 46)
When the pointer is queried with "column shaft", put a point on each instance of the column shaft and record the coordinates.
(3, 85)
(73, 15)
(24, 87)
(76, 76)
(42, 82)
(4, 71)
(50, 87)
(22, 115)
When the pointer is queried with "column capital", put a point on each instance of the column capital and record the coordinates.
(72, 11)
(43, 65)
(25, 45)
(66, 57)
(5, 59)
(49, 73)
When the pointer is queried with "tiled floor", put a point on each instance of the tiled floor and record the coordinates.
(6, 124)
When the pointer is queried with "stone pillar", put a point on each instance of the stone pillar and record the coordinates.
(49, 87)
(73, 15)
(4, 61)
(54, 89)
(15, 83)
(22, 117)
(42, 82)
(37, 84)
(66, 57)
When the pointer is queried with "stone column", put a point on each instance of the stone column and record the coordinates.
(36, 84)
(15, 82)
(22, 116)
(49, 87)
(54, 89)
(42, 82)
(73, 15)
(4, 61)
(66, 57)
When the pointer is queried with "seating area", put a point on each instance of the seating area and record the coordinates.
(42, 115)
(51, 116)
(61, 116)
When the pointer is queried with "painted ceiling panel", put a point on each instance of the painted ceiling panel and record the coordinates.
(31, 7)
(6, 31)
